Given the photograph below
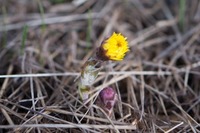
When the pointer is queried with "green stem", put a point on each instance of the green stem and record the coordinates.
(24, 37)
(89, 30)
(4, 23)
(42, 15)
(182, 14)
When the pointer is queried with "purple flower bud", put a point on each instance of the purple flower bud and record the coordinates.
(107, 99)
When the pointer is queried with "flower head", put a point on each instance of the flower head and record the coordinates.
(114, 48)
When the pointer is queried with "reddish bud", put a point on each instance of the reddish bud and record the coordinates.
(107, 99)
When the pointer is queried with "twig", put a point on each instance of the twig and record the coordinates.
(152, 73)
(174, 127)
(53, 20)
(128, 127)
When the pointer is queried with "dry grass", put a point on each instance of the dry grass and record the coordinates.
(157, 83)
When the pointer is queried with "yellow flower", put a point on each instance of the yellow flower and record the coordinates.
(115, 47)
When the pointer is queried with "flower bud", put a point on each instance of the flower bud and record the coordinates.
(107, 99)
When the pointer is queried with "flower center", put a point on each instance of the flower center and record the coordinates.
(119, 44)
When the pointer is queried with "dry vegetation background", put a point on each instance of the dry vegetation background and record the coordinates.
(44, 43)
